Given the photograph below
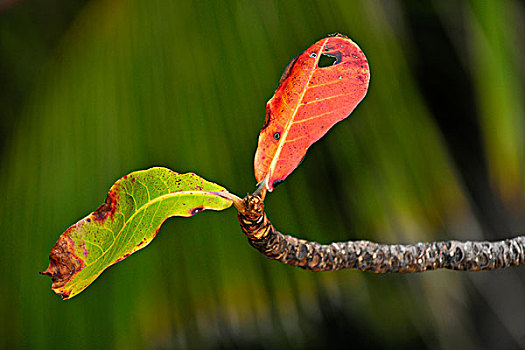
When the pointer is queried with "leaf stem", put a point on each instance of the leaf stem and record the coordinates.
(238, 202)
(262, 189)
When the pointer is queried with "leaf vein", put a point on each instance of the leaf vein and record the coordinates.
(158, 199)
(320, 115)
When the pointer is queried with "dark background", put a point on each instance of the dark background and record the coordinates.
(92, 90)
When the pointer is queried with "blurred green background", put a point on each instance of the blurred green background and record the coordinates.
(92, 90)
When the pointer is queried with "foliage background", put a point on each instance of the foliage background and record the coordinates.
(91, 90)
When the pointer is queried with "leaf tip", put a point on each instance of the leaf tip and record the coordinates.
(63, 265)
(338, 35)
(64, 295)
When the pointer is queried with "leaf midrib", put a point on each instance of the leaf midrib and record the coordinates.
(144, 207)
(290, 122)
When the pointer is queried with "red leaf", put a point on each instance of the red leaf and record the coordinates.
(312, 96)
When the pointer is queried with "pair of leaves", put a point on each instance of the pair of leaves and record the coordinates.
(312, 96)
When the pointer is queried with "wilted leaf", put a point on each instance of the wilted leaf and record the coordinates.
(320, 87)
(135, 208)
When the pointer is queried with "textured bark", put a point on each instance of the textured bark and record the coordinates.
(370, 256)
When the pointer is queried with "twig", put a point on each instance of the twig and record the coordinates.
(370, 256)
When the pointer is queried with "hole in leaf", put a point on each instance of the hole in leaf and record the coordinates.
(277, 135)
(329, 59)
(326, 61)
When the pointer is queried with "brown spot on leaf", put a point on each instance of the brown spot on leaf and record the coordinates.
(197, 210)
(63, 263)
(268, 117)
(106, 209)
(65, 295)
(121, 258)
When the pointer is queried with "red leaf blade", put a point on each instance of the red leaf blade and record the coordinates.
(310, 99)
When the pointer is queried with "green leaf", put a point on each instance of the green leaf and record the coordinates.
(135, 208)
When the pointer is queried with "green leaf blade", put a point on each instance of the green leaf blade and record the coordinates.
(134, 210)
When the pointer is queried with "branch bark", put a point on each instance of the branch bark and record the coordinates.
(375, 257)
